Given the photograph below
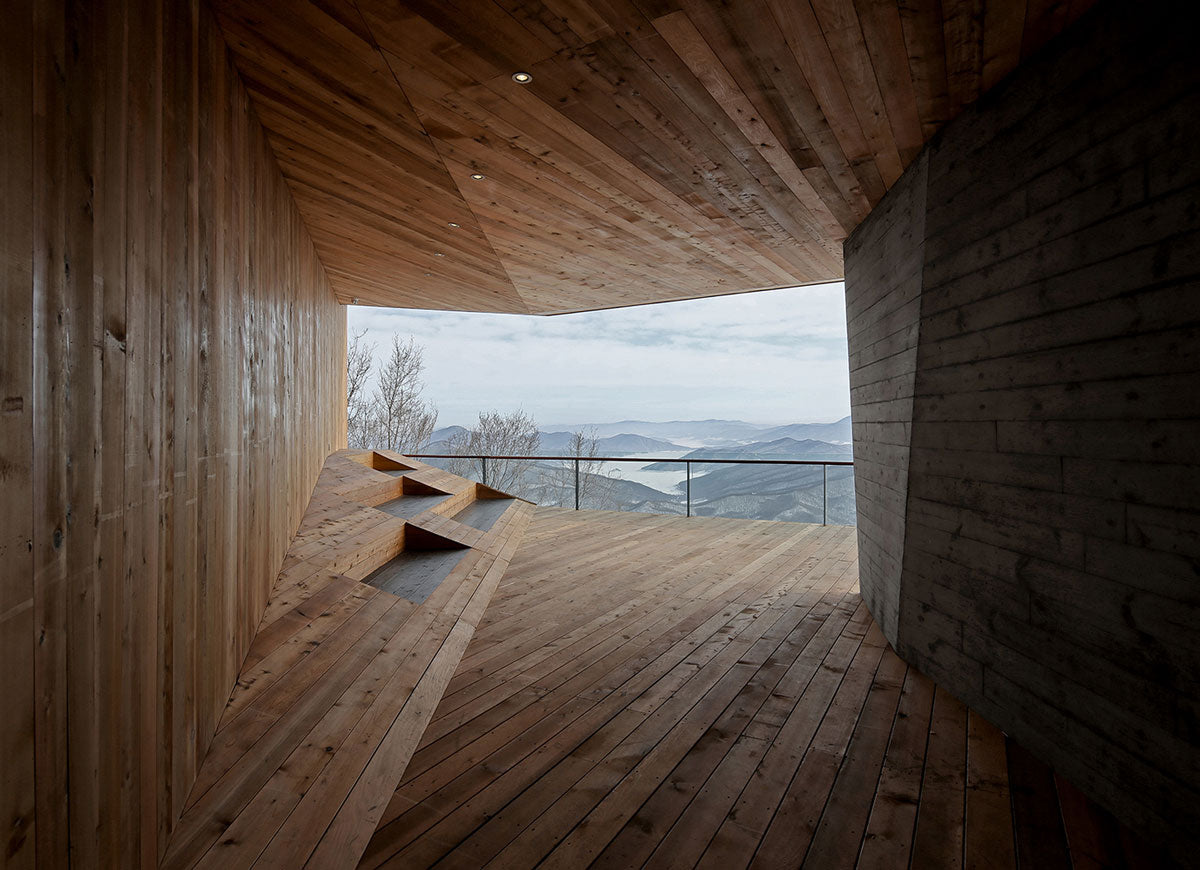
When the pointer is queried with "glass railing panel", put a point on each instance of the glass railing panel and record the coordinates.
(841, 495)
(782, 492)
(639, 486)
(786, 493)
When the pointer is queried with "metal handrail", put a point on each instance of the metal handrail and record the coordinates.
(699, 459)
(483, 458)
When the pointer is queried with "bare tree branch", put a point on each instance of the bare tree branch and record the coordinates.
(360, 358)
(596, 489)
(496, 434)
(402, 420)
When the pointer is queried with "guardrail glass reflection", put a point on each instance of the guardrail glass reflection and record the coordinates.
(802, 491)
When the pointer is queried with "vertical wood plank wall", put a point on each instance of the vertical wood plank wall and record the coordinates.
(171, 379)
(1051, 534)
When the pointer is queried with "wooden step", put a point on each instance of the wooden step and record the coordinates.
(342, 677)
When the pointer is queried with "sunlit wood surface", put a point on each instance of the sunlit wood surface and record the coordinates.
(672, 692)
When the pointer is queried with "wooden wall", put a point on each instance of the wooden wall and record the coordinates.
(884, 263)
(171, 380)
(1051, 558)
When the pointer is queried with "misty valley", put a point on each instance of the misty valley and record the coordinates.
(648, 482)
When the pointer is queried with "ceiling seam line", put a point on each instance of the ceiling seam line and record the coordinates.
(441, 158)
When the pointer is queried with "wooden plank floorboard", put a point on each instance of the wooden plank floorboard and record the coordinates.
(938, 841)
(482, 514)
(674, 797)
(791, 727)
(548, 664)
(585, 581)
(889, 835)
(413, 575)
(645, 665)
(671, 737)
(1041, 839)
(840, 831)
(686, 802)
(342, 678)
(652, 592)
(639, 668)
(988, 826)
(790, 831)
(671, 692)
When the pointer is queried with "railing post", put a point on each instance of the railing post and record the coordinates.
(689, 488)
(483, 460)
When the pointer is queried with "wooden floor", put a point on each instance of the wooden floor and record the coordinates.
(671, 692)
(342, 677)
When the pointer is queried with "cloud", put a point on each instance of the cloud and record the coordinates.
(771, 357)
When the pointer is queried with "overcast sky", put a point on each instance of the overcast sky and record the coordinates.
(778, 356)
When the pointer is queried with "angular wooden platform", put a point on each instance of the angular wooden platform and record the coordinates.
(343, 677)
(669, 692)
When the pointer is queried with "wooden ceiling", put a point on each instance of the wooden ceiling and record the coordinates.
(665, 149)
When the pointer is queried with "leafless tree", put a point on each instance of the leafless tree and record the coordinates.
(401, 419)
(596, 489)
(496, 434)
(360, 358)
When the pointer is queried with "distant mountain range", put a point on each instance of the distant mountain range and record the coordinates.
(624, 444)
(702, 431)
(711, 433)
(799, 493)
(780, 448)
(439, 441)
(776, 492)
(733, 437)
(558, 443)
(838, 432)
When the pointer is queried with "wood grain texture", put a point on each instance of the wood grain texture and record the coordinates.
(171, 383)
(663, 150)
(341, 677)
(665, 692)
(17, 650)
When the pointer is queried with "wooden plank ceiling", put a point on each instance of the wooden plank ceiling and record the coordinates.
(664, 149)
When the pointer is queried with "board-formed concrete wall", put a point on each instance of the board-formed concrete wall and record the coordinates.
(1051, 528)
(884, 263)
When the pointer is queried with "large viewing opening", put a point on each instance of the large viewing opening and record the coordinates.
(734, 406)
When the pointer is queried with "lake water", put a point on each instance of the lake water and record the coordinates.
(663, 481)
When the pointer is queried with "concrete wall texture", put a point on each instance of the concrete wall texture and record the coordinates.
(1024, 319)
(884, 265)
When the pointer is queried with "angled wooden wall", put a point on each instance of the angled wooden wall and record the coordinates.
(170, 383)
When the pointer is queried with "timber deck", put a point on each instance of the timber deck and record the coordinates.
(668, 692)
(343, 675)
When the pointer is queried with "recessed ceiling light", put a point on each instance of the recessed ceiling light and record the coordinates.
(428, 274)
(453, 224)
(438, 254)
(522, 78)
(478, 176)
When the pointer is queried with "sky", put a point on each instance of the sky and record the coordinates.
(776, 356)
